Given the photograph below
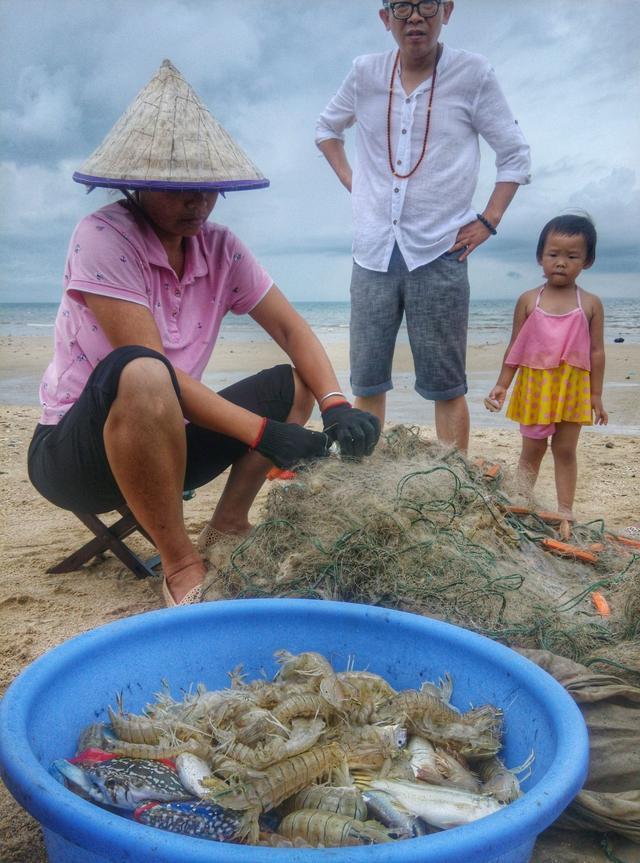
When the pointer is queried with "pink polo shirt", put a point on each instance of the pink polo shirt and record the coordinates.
(114, 254)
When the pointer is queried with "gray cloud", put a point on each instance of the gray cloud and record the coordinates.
(70, 67)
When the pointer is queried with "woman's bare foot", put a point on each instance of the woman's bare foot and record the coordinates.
(212, 534)
(215, 544)
(184, 577)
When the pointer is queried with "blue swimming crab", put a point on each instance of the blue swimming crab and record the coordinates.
(151, 790)
(123, 783)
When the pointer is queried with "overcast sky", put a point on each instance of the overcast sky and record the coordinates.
(266, 68)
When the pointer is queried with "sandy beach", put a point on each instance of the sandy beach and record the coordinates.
(39, 611)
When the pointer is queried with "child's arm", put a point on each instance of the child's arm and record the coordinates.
(496, 397)
(596, 331)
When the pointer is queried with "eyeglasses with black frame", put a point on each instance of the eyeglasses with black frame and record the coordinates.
(404, 11)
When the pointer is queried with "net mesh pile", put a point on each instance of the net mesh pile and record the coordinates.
(421, 529)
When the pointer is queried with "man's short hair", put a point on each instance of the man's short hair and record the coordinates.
(571, 225)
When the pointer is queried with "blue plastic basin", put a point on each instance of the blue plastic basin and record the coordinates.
(58, 695)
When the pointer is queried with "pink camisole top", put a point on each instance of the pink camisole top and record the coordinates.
(547, 340)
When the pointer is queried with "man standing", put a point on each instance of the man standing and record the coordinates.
(420, 110)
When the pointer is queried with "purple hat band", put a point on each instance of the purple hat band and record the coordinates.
(169, 186)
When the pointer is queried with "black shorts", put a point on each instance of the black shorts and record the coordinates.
(68, 464)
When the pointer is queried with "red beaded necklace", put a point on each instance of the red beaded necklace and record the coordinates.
(428, 123)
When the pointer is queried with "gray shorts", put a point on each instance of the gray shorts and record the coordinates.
(435, 299)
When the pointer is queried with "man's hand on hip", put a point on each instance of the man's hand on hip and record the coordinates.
(469, 238)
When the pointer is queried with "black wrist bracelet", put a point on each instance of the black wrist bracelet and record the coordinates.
(486, 223)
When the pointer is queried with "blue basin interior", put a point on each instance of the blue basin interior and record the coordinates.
(49, 704)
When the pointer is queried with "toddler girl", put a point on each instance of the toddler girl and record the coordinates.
(557, 346)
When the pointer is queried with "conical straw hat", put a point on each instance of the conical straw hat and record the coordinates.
(167, 139)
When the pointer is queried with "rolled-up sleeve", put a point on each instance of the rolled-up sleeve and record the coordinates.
(340, 113)
(494, 121)
(103, 261)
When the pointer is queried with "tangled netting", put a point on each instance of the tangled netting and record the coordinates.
(421, 529)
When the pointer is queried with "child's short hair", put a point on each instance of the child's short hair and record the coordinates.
(570, 225)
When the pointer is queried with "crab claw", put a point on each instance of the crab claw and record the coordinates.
(91, 756)
(72, 777)
(192, 818)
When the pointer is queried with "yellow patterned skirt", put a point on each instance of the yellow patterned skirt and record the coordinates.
(543, 396)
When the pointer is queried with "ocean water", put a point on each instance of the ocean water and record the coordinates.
(489, 321)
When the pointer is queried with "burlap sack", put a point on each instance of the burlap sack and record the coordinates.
(610, 799)
(564, 846)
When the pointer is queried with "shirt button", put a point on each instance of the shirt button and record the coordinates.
(396, 189)
(399, 162)
(395, 221)
(177, 292)
(407, 101)
(404, 131)
(174, 313)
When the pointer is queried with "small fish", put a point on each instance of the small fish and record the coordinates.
(441, 807)
(402, 824)
(120, 782)
(192, 818)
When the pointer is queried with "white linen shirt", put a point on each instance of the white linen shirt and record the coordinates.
(424, 212)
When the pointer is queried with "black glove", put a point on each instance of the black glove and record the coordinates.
(356, 431)
(286, 444)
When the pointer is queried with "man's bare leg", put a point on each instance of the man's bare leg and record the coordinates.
(146, 446)
(452, 423)
(376, 405)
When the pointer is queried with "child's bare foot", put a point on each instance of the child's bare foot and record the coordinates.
(564, 529)
(566, 521)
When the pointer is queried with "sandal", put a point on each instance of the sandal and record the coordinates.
(209, 536)
(192, 597)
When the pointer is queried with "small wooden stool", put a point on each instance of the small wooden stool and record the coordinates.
(110, 538)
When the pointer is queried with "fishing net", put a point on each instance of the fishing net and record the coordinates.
(421, 529)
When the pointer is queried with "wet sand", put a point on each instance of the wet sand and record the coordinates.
(22, 360)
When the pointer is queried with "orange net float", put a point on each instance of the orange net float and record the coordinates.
(624, 540)
(277, 473)
(564, 549)
(600, 604)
